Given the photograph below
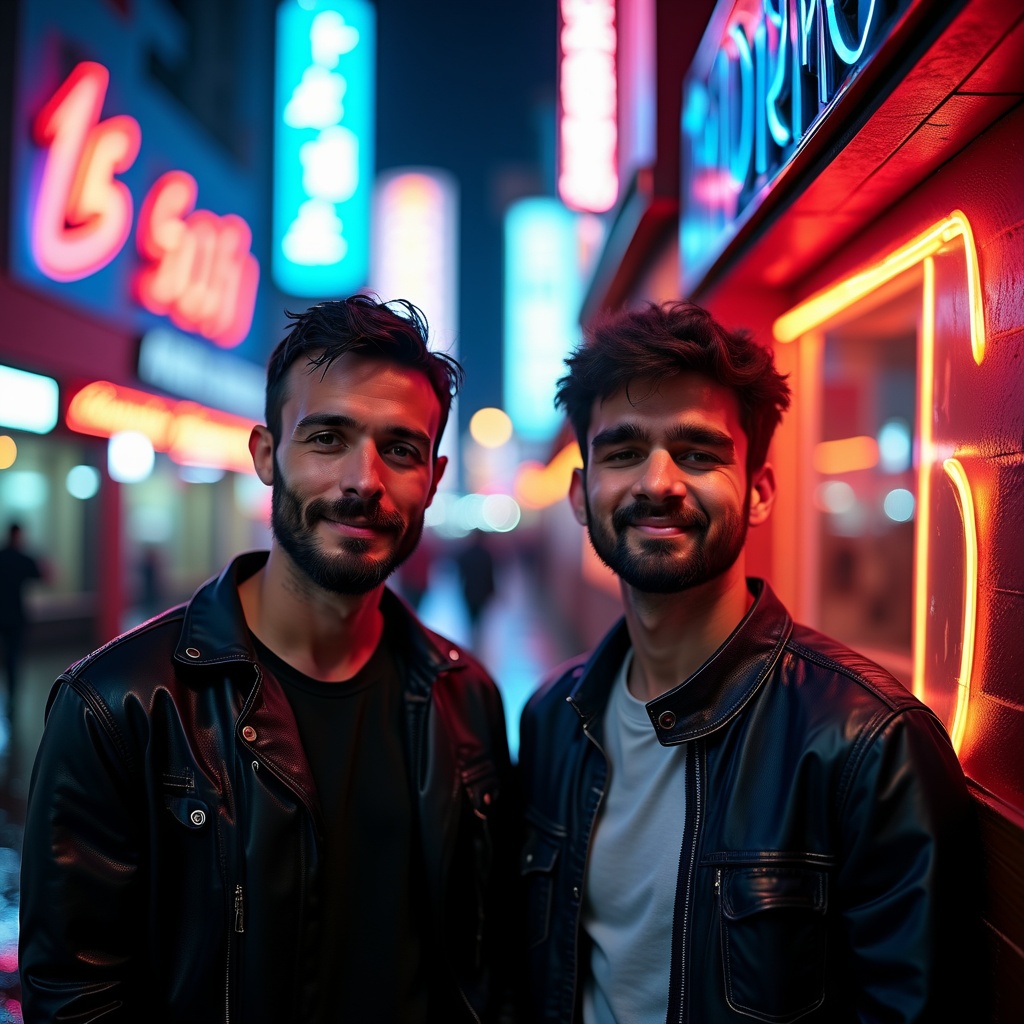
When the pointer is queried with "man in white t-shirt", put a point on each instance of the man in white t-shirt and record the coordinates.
(730, 816)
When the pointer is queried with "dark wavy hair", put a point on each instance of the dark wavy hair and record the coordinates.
(370, 329)
(649, 343)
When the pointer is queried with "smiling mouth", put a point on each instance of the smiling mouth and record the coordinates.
(356, 527)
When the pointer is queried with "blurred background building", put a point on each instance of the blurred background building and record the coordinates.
(843, 180)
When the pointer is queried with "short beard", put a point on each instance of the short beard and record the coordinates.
(349, 570)
(656, 568)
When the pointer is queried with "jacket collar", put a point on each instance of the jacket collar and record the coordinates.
(214, 630)
(716, 692)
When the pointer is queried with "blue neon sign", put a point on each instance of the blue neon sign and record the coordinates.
(324, 146)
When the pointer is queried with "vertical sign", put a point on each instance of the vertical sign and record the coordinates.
(415, 257)
(324, 146)
(588, 177)
(543, 295)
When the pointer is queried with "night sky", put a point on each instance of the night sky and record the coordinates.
(470, 87)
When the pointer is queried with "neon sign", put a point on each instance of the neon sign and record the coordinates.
(763, 76)
(83, 214)
(190, 434)
(197, 267)
(543, 294)
(588, 177)
(324, 145)
(199, 270)
(923, 250)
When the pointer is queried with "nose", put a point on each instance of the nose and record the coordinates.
(661, 478)
(361, 473)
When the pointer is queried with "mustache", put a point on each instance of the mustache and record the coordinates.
(351, 507)
(679, 515)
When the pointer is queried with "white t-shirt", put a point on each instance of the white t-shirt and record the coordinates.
(630, 886)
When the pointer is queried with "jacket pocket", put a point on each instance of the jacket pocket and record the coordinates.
(537, 867)
(480, 782)
(773, 938)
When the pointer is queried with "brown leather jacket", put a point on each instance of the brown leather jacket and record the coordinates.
(171, 797)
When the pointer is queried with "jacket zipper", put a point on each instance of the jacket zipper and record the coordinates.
(583, 881)
(688, 892)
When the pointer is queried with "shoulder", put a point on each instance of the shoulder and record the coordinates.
(142, 657)
(556, 686)
(822, 659)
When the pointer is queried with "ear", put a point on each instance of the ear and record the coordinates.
(261, 448)
(578, 495)
(762, 495)
(439, 467)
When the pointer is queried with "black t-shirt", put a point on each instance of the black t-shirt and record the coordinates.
(372, 956)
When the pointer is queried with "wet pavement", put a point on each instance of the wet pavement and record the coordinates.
(519, 641)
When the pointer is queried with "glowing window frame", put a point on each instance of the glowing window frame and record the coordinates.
(819, 308)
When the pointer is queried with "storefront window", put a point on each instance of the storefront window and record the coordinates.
(864, 482)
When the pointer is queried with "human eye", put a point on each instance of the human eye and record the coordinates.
(325, 439)
(402, 451)
(700, 458)
(620, 456)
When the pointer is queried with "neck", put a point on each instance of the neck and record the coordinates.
(323, 635)
(674, 634)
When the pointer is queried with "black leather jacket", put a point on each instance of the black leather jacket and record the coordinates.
(825, 865)
(172, 843)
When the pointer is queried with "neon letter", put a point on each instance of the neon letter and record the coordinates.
(82, 215)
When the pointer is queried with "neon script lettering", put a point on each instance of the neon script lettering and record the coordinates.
(83, 215)
(198, 268)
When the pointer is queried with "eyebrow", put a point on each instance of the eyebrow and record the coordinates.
(691, 433)
(336, 420)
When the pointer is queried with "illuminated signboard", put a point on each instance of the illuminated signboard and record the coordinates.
(588, 177)
(415, 257)
(324, 146)
(765, 73)
(543, 294)
(196, 267)
(190, 434)
(28, 401)
(185, 366)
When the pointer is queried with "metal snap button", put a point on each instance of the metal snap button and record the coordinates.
(453, 654)
(666, 719)
(529, 858)
(198, 817)
(248, 733)
(575, 892)
(192, 652)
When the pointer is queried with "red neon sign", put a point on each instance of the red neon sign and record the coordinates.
(199, 269)
(83, 215)
(588, 177)
(191, 434)
(200, 272)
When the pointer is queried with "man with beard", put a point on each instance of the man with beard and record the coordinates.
(286, 799)
(729, 816)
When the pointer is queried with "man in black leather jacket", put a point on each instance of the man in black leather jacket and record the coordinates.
(730, 817)
(286, 800)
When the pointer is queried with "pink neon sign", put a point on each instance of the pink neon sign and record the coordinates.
(197, 266)
(588, 177)
(83, 215)
(199, 269)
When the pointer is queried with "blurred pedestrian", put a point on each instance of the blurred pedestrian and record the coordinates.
(287, 799)
(16, 569)
(475, 564)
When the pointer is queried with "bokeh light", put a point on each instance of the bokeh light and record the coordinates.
(490, 427)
